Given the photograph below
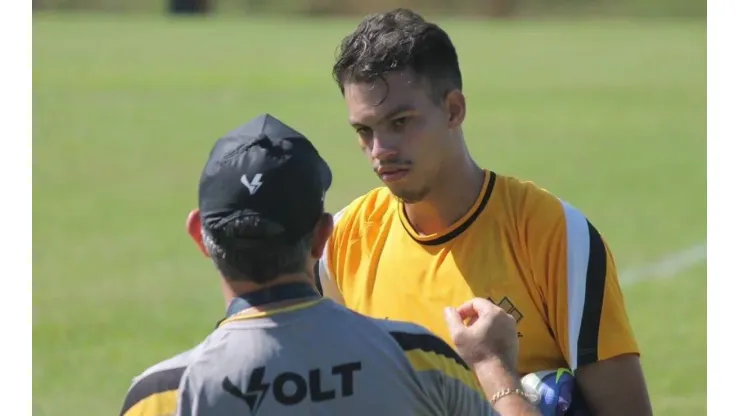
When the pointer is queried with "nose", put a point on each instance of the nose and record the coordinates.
(383, 148)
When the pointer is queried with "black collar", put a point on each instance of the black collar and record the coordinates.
(274, 294)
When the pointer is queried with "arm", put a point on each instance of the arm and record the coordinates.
(576, 272)
(153, 395)
(459, 391)
(615, 386)
(495, 378)
(489, 343)
(448, 384)
(454, 387)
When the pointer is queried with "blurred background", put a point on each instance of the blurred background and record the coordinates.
(601, 102)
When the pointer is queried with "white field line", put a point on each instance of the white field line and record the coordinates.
(668, 266)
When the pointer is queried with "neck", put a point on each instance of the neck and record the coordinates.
(455, 190)
(233, 289)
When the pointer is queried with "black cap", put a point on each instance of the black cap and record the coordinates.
(264, 169)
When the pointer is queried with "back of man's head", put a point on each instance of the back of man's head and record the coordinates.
(257, 263)
(261, 202)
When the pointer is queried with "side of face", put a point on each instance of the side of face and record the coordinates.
(403, 132)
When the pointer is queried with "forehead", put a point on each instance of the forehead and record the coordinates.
(371, 101)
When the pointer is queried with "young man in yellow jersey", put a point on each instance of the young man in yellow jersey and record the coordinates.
(443, 229)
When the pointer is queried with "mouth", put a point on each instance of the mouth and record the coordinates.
(392, 174)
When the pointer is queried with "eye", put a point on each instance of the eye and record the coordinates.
(400, 122)
(363, 131)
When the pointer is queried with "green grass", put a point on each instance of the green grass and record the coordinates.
(610, 115)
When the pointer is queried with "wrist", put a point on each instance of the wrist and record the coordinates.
(498, 366)
(516, 401)
(503, 387)
(495, 375)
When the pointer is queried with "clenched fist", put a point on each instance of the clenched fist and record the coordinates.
(489, 334)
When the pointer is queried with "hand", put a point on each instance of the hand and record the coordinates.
(490, 334)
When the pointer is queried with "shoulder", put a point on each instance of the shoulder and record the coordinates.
(390, 325)
(374, 206)
(549, 227)
(421, 343)
(528, 196)
(158, 383)
(434, 361)
(360, 219)
(403, 335)
(535, 208)
(180, 360)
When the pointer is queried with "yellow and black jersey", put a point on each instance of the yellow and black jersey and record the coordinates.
(524, 249)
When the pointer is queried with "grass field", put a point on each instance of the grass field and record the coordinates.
(610, 115)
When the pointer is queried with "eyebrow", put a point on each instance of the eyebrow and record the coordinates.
(403, 108)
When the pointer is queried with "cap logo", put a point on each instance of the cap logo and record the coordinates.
(254, 184)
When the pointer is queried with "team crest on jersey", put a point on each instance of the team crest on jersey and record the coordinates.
(506, 304)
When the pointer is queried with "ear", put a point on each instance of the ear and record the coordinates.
(456, 108)
(321, 235)
(193, 226)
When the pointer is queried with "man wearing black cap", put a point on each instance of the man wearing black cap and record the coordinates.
(283, 348)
